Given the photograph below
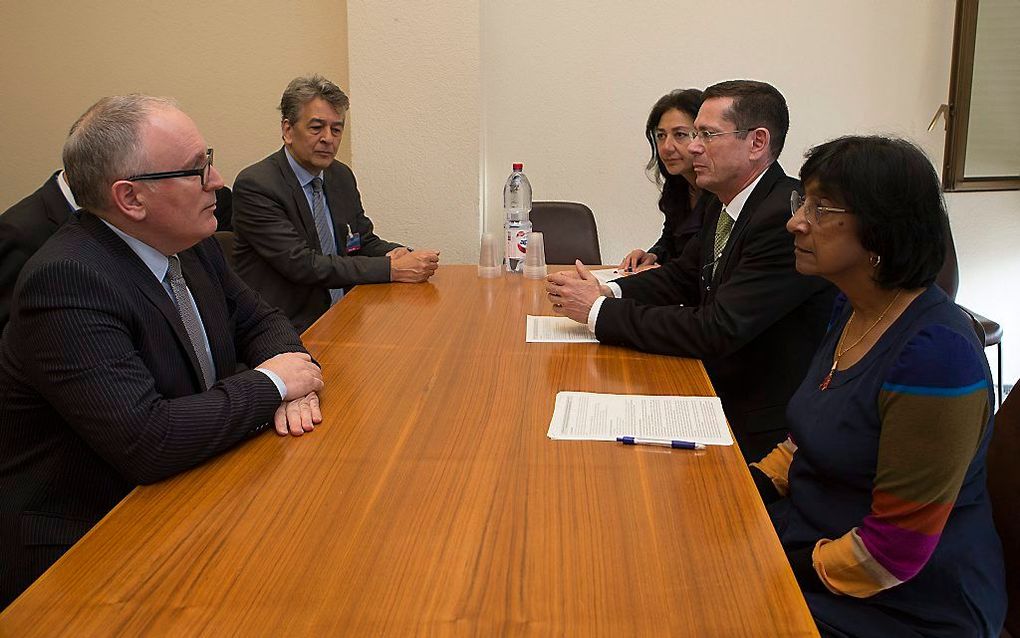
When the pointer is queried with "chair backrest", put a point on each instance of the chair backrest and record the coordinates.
(224, 209)
(1004, 489)
(948, 278)
(569, 232)
(226, 239)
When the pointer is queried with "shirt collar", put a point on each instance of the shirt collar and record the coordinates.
(154, 260)
(66, 190)
(737, 203)
(303, 176)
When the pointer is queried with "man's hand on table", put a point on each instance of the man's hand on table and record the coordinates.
(412, 267)
(297, 371)
(298, 416)
(572, 292)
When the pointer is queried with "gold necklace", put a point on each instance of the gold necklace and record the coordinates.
(840, 351)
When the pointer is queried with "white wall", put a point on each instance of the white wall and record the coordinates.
(415, 121)
(565, 87)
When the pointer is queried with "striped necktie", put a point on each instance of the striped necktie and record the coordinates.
(186, 309)
(322, 229)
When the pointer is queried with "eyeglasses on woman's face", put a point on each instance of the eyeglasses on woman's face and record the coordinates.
(813, 213)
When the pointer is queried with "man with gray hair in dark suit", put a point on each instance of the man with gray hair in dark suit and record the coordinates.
(302, 235)
(118, 365)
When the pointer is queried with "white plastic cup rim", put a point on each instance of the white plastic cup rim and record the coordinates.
(535, 272)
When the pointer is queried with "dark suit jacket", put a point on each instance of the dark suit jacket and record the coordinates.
(100, 389)
(25, 227)
(277, 250)
(756, 323)
(678, 229)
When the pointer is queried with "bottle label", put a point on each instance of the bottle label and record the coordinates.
(516, 246)
(521, 243)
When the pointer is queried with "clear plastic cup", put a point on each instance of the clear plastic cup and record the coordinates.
(490, 256)
(534, 259)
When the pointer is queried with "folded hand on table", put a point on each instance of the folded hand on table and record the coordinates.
(572, 292)
(298, 416)
(412, 267)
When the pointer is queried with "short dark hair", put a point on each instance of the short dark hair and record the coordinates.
(675, 189)
(890, 185)
(306, 88)
(756, 105)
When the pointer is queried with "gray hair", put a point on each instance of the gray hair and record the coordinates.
(105, 145)
(306, 88)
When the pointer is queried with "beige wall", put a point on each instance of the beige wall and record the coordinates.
(226, 62)
(415, 101)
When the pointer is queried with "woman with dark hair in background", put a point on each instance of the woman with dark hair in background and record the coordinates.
(671, 167)
(878, 495)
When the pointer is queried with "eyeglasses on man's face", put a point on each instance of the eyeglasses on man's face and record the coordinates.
(813, 213)
(706, 136)
(202, 172)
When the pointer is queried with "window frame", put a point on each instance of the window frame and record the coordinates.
(961, 81)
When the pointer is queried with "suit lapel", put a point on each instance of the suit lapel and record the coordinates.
(141, 277)
(760, 192)
(333, 191)
(304, 212)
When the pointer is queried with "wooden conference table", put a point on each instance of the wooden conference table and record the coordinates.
(430, 502)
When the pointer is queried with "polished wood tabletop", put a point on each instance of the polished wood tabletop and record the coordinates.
(431, 502)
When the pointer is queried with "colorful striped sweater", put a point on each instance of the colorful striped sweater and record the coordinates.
(883, 474)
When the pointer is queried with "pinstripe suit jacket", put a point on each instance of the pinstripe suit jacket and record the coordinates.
(100, 390)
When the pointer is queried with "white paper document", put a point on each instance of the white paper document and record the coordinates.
(586, 416)
(543, 329)
(605, 275)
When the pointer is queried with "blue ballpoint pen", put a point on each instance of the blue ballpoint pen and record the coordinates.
(682, 445)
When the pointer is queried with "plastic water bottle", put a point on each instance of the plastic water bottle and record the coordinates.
(517, 206)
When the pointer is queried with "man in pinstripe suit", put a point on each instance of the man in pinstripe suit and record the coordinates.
(117, 366)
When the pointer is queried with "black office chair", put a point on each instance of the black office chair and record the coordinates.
(990, 332)
(224, 209)
(226, 240)
(569, 232)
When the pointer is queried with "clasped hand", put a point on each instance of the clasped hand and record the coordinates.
(412, 266)
(572, 292)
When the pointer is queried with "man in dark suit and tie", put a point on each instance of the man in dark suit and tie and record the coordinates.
(302, 236)
(25, 227)
(734, 299)
(118, 364)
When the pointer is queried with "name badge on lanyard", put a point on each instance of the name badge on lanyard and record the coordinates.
(353, 241)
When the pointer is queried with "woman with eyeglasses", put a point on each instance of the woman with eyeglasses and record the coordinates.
(671, 167)
(878, 496)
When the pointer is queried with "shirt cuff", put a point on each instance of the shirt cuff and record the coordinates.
(615, 288)
(593, 314)
(281, 387)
